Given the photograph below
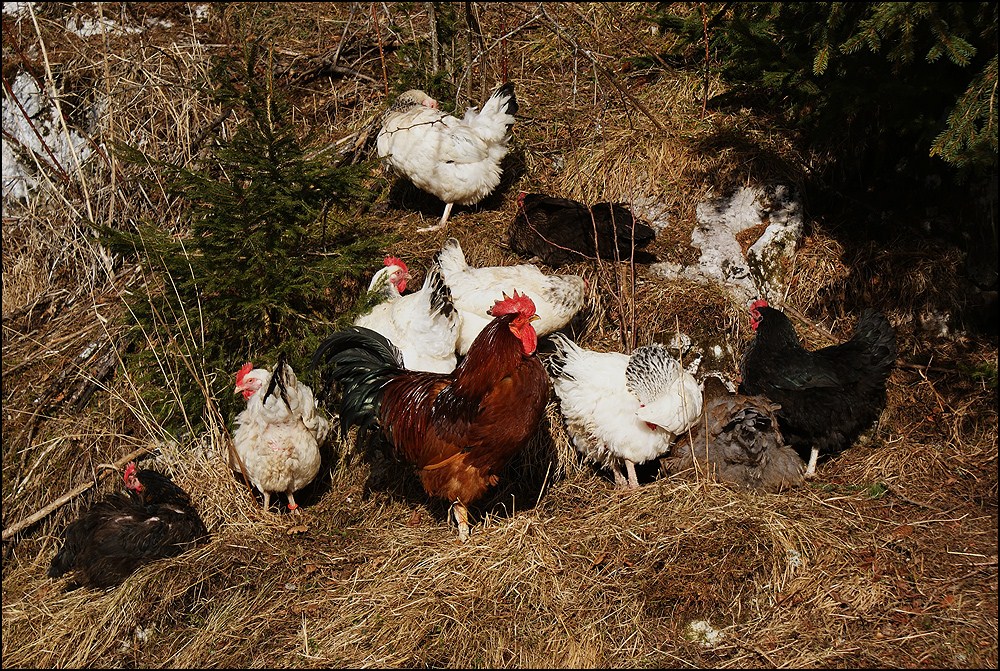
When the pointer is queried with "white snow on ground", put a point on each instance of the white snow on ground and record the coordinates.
(85, 26)
(15, 8)
(720, 220)
(703, 633)
(33, 121)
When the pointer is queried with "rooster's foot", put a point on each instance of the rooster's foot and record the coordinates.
(461, 514)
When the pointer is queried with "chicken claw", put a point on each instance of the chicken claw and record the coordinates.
(461, 514)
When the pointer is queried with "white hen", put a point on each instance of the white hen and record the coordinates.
(474, 291)
(278, 434)
(423, 325)
(622, 409)
(457, 160)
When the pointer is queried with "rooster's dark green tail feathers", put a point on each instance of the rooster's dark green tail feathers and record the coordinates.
(361, 362)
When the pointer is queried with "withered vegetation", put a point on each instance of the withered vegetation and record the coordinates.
(887, 559)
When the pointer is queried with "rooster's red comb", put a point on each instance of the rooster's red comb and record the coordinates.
(130, 471)
(757, 304)
(511, 304)
(242, 372)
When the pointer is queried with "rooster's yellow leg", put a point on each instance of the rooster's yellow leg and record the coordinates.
(462, 518)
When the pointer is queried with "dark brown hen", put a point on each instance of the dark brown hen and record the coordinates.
(153, 520)
(737, 440)
(561, 230)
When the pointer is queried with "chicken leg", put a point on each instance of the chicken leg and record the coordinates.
(633, 481)
(621, 482)
(292, 505)
(813, 458)
(438, 226)
(462, 518)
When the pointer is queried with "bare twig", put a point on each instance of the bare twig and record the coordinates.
(435, 49)
(704, 94)
(381, 50)
(561, 34)
(66, 498)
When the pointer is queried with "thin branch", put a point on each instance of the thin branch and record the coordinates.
(561, 34)
(66, 498)
(381, 50)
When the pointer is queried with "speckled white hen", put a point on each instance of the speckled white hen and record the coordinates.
(457, 160)
(623, 410)
(278, 434)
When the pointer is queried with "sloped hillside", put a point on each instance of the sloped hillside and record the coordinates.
(887, 558)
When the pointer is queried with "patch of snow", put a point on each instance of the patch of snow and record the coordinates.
(703, 633)
(200, 12)
(15, 8)
(33, 121)
(654, 212)
(721, 220)
(86, 26)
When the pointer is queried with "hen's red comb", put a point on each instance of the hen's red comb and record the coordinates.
(511, 304)
(242, 372)
(759, 303)
(395, 261)
(130, 471)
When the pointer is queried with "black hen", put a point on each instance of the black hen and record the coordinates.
(155, 519)
(828, 396)
(561, 231)
(738, 441)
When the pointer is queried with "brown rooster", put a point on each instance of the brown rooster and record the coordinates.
(458, 429)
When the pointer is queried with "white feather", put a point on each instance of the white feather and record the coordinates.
(557, 298)
(424, 329)
(278, 442)
(607, 421)
(457, 160)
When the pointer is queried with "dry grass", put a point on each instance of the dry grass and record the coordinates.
(888, 558)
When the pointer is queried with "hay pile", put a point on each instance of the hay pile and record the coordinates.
(888, 558)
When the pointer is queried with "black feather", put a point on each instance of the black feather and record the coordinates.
(279, 380)
(562, 230)
(829, 396)
(361, 362)
(511, 105)
(127, 530)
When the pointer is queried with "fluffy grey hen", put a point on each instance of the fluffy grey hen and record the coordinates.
(738, 441)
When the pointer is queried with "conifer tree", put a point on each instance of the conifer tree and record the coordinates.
(269, 256)
(848, 72)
